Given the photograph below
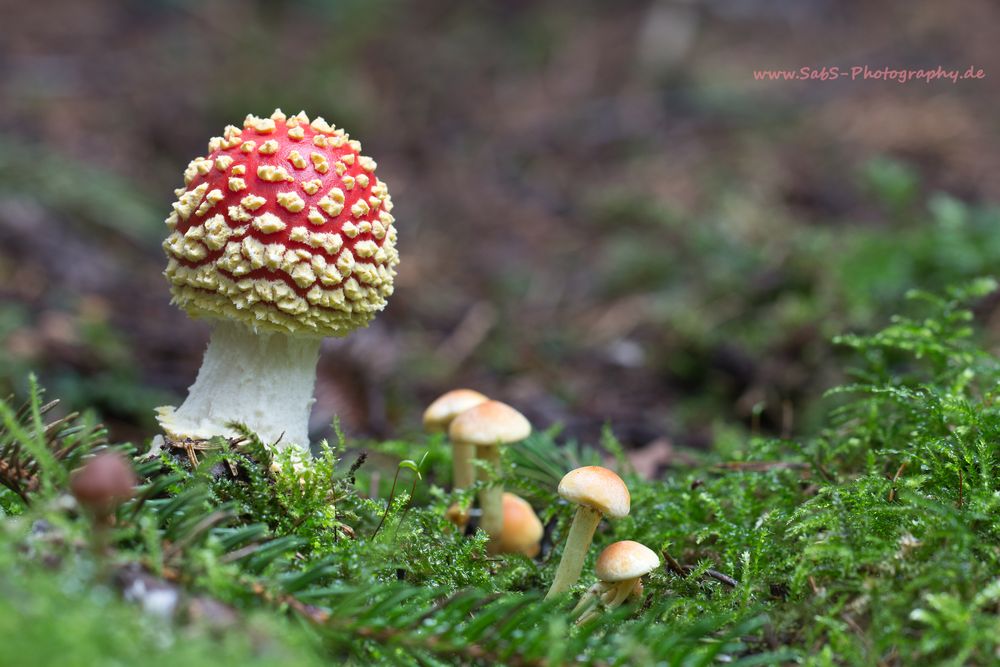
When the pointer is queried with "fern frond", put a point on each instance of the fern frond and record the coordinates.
(36, 452)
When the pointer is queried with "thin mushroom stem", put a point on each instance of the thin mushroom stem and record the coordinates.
(619, 592)
(491, 496)
(581, 534)
(463, 471)
(636, 593)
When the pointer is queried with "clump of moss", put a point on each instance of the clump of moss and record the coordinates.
(875, 540)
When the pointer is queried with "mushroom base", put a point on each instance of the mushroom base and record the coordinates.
(610, 594)
(264, 380)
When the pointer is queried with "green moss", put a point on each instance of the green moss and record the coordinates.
(875, 540)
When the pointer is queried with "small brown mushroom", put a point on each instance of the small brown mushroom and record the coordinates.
(103, 483)
(620, 568)
(598, 492)
(457, 514)
(438, 417)
(488, 426)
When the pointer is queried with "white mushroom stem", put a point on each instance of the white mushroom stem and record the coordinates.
(581, 534)
(463, 469)
(491, 496)
(262, 379)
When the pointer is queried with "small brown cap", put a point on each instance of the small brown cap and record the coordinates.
(104, 482)
(489, 424)
(598, 488)
(446, 407)
(522, 531)
(625, 560)
(458, 515)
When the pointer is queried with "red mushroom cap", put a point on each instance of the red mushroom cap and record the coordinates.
(283, 226)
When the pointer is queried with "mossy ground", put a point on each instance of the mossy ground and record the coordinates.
(873, 542)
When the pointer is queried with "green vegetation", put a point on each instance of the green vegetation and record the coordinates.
(873, 541)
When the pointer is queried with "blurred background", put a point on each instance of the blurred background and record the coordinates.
(603, 216)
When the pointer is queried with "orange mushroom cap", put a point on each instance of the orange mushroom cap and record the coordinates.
(625, 560)
(597, 488)
(522, 530)
(439, 414)
(489, 424)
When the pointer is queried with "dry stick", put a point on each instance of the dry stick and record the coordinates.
(685, 570)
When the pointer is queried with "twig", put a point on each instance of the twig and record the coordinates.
(192, 457)
(674, 566)
(722, 578)
(685, 570)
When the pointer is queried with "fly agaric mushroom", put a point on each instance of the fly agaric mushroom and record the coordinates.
(488, 426)
(598, 492)
(522, 531)
(620, 568)
(282, 235)
(438, 417)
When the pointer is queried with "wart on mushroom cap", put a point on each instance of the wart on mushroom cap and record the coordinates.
(487, 426)
(283, 235)
(598, 492)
